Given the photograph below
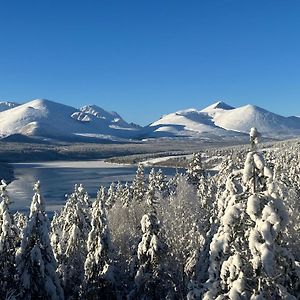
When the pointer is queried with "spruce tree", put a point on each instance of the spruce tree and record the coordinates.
(139, 185)
(70, 229)
(195, 169)
(8, 243)
(152, 280)
(36, 264)
(248, 256)
(98, 267)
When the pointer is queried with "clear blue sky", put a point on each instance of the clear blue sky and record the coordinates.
(146, 58)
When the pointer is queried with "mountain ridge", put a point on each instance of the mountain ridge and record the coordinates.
(216, 122)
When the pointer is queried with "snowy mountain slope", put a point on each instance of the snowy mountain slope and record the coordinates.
(50, 119)
(219, 121)
(190, 123)
(223, 120)
(5, 105)
(269, 124)
(114, 118)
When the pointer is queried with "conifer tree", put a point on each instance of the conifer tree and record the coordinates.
(98, 267)
(151, 280)
(139, 185)
(248, 256)
(36, 264)
(111, 196)
(8, 243)
(70, 229)
(126, 195)
(195, 169)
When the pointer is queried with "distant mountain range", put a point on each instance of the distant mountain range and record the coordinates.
(47, 120)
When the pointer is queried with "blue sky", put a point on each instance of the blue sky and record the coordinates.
(147, 58)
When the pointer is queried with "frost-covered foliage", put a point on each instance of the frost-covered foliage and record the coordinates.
(247, 254)
(111, 196)
(152, 280)
(231, 232)
(139, 185)
(195, 169)
(182, 218)
(98, 268)
(70, 229)
(36, 264)
(8, 244)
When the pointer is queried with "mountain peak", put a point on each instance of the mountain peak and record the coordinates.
(217, 105)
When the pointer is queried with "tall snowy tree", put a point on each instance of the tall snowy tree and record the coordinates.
(139, 185)
(8, 243)
(111, 196)
(126, 196)
(195, 169)
(99, 270)
(152, 280)
(70, 229)
(36, 264)
(248, 256)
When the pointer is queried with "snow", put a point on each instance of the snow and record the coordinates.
(91, 164)
(46, 118)
(242, 119)
(188, 122)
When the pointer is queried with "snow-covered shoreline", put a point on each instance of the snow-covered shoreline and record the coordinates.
(80, 164)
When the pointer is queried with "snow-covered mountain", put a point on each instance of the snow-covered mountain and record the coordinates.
(188, 123)
(48, 119)
(112, 117)
(221, 120)
(218, 122)
(5, 105)
(270, 124)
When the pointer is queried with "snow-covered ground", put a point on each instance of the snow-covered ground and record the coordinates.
(93, 164)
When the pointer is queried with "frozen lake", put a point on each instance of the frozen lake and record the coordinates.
(58, 179)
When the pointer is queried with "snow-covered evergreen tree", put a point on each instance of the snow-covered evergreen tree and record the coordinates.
(126, 195)
(111, 196)
(119, 192)
(152, 280)
(36, 264)
(8, 243)
(195, 169)
(139, 185)
(248, 257)
(70, 229)
(99, 270)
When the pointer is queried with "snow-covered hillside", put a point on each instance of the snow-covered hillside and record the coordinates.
(224, 121)
(49, 119)
(270, 124)
(217, 122)
(188, 123)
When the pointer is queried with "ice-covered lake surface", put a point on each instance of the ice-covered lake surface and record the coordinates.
(58, 179)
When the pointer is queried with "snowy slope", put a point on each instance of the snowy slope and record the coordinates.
(222, 120)
(190, 123)
(219, 121)
(50, 119)
(270, 124)
(114, 118)
(5, 105)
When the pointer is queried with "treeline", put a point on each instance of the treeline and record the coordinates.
(234, 235)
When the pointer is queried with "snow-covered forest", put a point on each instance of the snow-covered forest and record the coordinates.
(233, 234)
